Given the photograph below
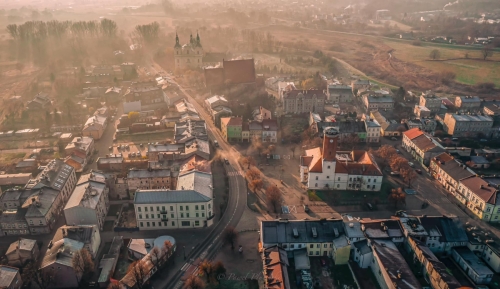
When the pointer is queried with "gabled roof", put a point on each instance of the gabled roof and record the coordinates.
(21, 244)
(448, 229)
(413, 133)
(7, 276)
(451, 167)
(425, 144)
(482, 189)
(232, 121)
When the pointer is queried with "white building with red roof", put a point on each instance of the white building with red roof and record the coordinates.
(330, 169)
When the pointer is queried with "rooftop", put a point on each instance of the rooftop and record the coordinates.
(320, 94)
(473, 261)
(303, 231)
(163, 196)
(86, 195)
(470, 118)
(482, 189)
(454, 169)
(232, 121)
(200, 182)
(21, 244)
(81, 233)
(61, 252)
(446, 228)
(148, 173)
(7, 276)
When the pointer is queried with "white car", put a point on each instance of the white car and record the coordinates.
(411, 164)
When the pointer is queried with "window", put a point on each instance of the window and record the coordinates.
(325, 245)
(185, 223)
(187, 208)
(317, 253)
(165, 224)
(187, 215)
(140, 216)
(147, 216)
(328, 166)
(172, 215)
(311, 253)
(154, 224)
(173, 223)
(157, 208)
(196, 207)
(317, 245)
(163, 208)
(171, 208)
(330, 245)
(147, 224)
(327, 177)
(203, 215)
(292, 246)
(181, 208)
(197, 215)
(182, 215)
(311, 246)
(141, 224)
(338, 186)
(300, 246)
(145, 209)
(338, 179)
(316, 178)
(138, 209)
(284, 246)
(151, 208)
(158, 216)
(196, 223)
(209, 206)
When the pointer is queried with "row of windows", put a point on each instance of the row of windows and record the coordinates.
(181, 208)
(165, 224)
(173, 215)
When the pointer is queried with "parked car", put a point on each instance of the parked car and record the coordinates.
(394, 173)
(419, 171)
(411, 164)
(226, 161)
(394, 138)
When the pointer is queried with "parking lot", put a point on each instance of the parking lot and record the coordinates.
(129, 150)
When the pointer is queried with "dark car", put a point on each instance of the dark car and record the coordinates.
(419, 171)
(226, 161)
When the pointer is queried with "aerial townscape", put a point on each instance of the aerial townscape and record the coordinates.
(250, 144)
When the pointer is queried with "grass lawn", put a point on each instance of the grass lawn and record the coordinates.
(342, 275)
(353, 197)
(468, 71)
(8, 157)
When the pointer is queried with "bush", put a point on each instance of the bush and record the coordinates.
(447, 76)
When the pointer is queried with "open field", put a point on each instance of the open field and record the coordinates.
(392, 61)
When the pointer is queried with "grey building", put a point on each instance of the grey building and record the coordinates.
(338, 93)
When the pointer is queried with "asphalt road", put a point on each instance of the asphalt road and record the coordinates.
(236, 203)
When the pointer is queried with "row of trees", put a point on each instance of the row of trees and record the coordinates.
(149, 33)
(34, 31)
(255, 183)
(387, 156)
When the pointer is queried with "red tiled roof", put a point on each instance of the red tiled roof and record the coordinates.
(239, 71)
(413, 133)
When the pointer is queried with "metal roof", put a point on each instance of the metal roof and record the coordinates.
(163, 196)
(197, 181)
(283, 231)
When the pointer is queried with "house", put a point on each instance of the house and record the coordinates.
(275, 268)
(57, 261)
(231, 128)
(188, 130)
(14, 179)
(492, 109)
(214, 101)
(270, 130)
(89, 202)
(245, 132)
(108, 262)
(338, 93)
(421, 146)
(390, 268)
(467, 103)
(255, 130)
(360, 84)
(39, 102)
(219, 112)
(437, 273)
(13, 222)
(448, 171)
(373, 130)
(78, 162)
(94, 127)
(151, 179)
(485, 244)
(22, 251)
(460, 125)
(431, 101)
(144, 96)
(260, 113)
(352, 229)
(110, 164)
(444, 233)
(362, 253)
(166, 209)
(471, 264)
(89, 235)
(314, 236)
(387, 127)
(142, 247)
(10, 278)
(304, 101)
(26, 165)
(378, 102)
(332, 169)
(480, 197)
(478, 162)
(421, 111)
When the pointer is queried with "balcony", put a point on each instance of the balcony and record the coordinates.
(163, 212)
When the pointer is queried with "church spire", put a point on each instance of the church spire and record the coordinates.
(177, 44)
(198, 41)
(191, 40)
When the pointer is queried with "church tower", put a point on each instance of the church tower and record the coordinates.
(330, 139)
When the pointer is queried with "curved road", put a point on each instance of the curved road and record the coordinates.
(237, 196)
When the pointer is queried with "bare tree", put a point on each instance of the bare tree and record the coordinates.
(397, 197)
(206, 267)
(248, 161)
(273, 196)
(193, 282)
(156, 257)
(167, 249)
(435, 54)
(486, 52)
(82, 262)
(253, 174)
(256, 185)
(218, 270)
(409, 175)
(230, 235)
(44, 279)
(139, 273)
(398, 163)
